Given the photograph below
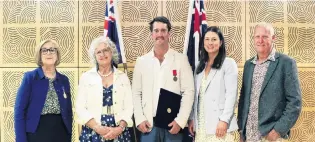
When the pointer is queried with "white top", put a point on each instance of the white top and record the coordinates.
(89, 100)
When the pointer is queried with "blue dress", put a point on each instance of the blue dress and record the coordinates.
(88, 135)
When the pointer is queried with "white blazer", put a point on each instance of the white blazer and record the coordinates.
(220, 97)
(143, 86)
(89, 101)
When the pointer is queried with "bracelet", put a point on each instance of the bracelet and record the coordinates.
(122, 127)
(96, 127)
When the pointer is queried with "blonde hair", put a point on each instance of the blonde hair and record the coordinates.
(111, 45)
(38, 55)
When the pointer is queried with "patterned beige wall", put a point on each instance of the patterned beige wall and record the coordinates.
(73, 23)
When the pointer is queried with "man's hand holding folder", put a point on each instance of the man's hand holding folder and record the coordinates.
(167, 110)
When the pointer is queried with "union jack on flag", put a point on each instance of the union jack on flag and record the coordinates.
(196, 26)
(112, 29)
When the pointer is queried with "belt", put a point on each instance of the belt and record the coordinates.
(108, 110)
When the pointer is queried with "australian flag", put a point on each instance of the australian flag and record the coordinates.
(112, 29)
(196, 26)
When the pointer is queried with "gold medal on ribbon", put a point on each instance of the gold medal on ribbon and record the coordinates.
(175, 75)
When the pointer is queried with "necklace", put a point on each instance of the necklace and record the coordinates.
(106, 75)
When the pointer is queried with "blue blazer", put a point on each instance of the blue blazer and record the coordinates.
(30, 100)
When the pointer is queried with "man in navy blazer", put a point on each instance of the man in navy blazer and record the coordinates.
(270, 99)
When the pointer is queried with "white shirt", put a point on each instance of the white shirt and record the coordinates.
(159, 69)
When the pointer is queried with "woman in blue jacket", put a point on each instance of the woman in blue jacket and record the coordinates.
(43, 109)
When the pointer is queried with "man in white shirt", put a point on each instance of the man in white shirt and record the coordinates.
(161, 69)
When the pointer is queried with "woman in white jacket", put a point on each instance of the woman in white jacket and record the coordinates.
(216, 91)
(104, 102)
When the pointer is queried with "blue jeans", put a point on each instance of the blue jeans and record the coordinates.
(160, 135)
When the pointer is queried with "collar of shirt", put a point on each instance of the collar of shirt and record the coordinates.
(271, 57)
(166, 55)
(42, 75)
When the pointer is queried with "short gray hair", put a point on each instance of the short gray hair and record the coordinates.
(267, 26)
(110, 44)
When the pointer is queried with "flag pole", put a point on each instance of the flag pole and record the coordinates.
(122, 52)
(119, 31)
(188, 25)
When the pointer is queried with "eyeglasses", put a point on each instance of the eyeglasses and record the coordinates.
(51, 50)
(102, 52)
